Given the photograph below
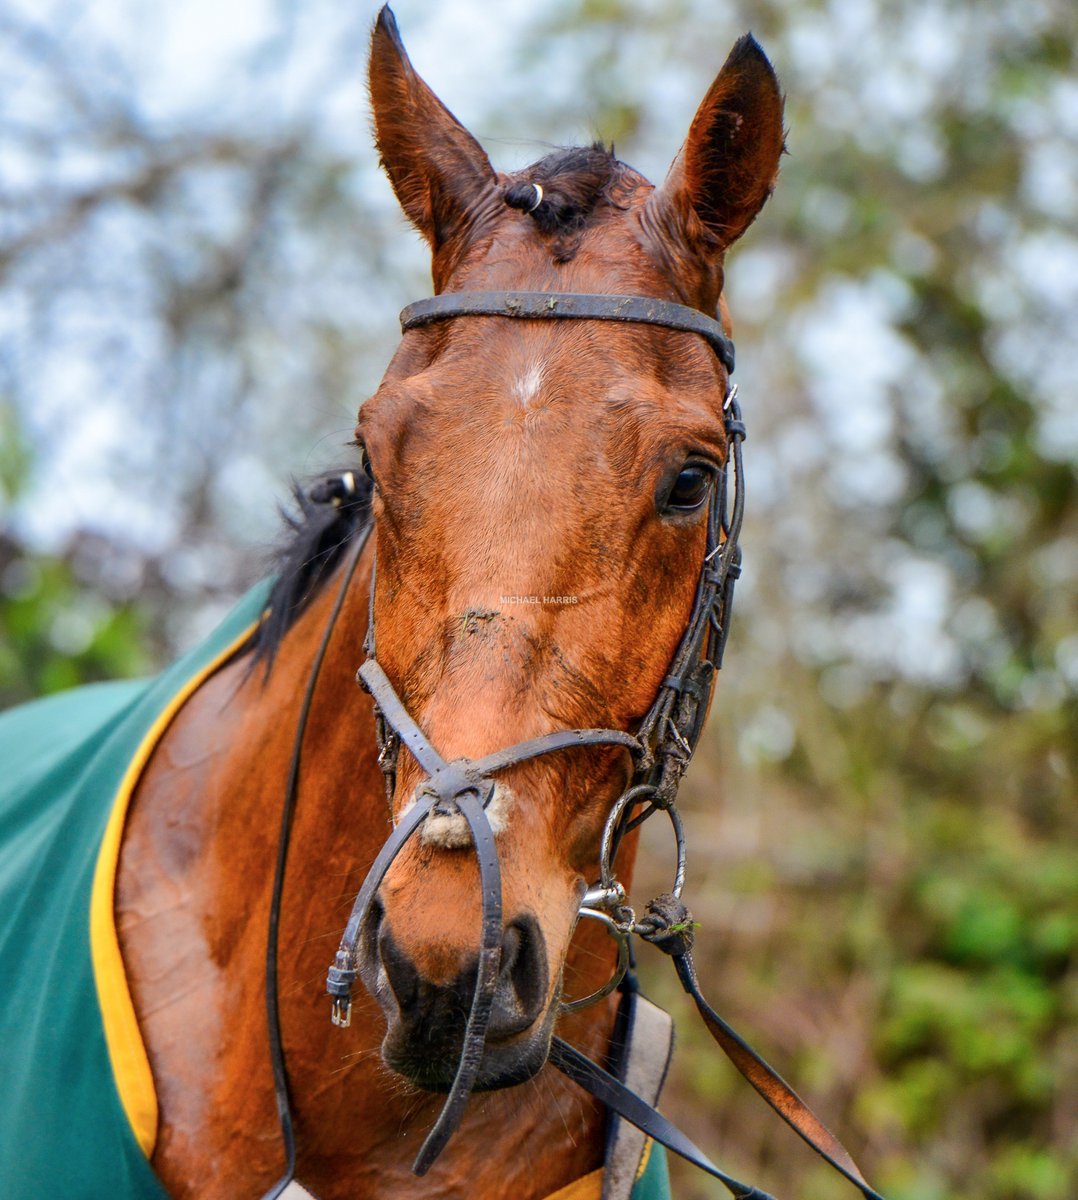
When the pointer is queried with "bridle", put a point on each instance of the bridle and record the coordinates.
(661, 747)
(661, 750)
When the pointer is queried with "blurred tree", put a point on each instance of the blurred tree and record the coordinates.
(201, 275)
(60, 625)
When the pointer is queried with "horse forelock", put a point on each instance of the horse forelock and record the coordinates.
(576, 185)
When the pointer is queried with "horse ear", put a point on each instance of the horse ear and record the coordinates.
(727, 167)
(436, 167)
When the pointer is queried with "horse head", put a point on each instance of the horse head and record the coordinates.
(540, 521)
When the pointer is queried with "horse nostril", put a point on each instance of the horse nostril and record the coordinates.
(512, 940)
(522, 981)
(368, 934)
(400, 971)
(440, 1008)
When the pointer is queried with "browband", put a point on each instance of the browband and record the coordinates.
(537, 306)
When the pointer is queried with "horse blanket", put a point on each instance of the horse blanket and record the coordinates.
(78, 1109)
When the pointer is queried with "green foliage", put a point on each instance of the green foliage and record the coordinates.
(56, 632)
(56, 629)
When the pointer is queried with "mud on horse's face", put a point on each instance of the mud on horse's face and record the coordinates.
(540, 520)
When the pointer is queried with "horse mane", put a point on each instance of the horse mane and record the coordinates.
(318, 530)
(575, 182)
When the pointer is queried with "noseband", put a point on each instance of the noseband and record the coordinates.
(661, 749)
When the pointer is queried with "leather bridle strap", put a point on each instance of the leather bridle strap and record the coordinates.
(559, 306)
(273, 1010)
(400, 720)
(342, 974)
(627, 1104)
(464, 784)
(770, 1084)
(469, 771)
(486, 984)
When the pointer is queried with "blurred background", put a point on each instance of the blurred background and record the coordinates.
(200, 270)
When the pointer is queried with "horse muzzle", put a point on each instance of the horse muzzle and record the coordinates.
(426, 992)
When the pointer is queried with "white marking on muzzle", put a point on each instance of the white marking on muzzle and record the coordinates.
(452, 832)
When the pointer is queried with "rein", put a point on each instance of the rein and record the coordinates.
(661, 750)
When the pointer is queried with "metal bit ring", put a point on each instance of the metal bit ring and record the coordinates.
(637, 795)
(621, 935)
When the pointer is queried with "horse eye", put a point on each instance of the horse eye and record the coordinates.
(365, 462)
(690, 489)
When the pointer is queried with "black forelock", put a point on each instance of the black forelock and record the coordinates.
(575, 182)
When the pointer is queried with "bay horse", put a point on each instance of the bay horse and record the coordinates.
(527, 526)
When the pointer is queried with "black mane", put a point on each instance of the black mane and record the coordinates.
(327, 516)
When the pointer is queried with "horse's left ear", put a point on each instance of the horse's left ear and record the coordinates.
(437, 168)
(727, 167)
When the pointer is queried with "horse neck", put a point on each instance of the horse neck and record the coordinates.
(223, 767)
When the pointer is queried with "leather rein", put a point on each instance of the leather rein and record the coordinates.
(661, 750)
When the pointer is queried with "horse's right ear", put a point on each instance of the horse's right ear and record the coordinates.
(437, 168)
